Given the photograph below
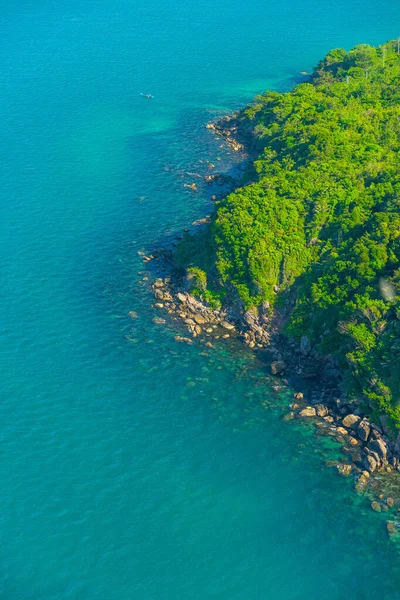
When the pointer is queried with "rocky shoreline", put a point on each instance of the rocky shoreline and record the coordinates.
(370, 455)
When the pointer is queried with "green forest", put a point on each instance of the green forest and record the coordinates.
(315, 228)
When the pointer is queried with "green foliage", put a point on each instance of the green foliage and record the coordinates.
(198, 277)
(322, 222)
(260, 239)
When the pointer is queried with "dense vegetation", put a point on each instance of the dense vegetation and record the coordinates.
(317, 233)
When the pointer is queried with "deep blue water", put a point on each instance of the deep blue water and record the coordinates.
(133, 467)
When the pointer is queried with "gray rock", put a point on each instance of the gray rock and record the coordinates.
(363, 430)
(250, 317)
(351, 421)
(374, 455)
(305, 346)
(379, 447)
(278, 367)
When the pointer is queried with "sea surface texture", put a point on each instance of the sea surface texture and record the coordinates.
(133, 467)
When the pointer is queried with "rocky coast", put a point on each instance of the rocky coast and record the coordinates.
(370, 453)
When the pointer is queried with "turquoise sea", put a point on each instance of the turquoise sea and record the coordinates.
(133, 467)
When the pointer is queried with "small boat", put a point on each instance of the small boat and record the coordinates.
(147, 95)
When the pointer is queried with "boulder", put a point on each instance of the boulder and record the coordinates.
(321, 409)
(369, 463)
(278, 367)
(351, 421)
(158, 294)
(376, 506)
(308, 411)
(305, 346)
(200, 320)
(379, 447)
(342, 431)
(329, 419)
(250, 317)
(374, 455)
(363, 430)
(227, 325)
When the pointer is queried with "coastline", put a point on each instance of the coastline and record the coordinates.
(369, 456)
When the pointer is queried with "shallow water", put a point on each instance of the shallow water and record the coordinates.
(132, 466)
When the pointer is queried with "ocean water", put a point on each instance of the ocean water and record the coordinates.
(133, 467)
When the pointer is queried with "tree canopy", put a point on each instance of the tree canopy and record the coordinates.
(319, 229)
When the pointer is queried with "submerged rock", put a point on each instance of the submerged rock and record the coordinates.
(344, 470)
(362, 483)
(288, 416)
(158, 283)
(392, 528)
(159, 321)
(183, 340)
